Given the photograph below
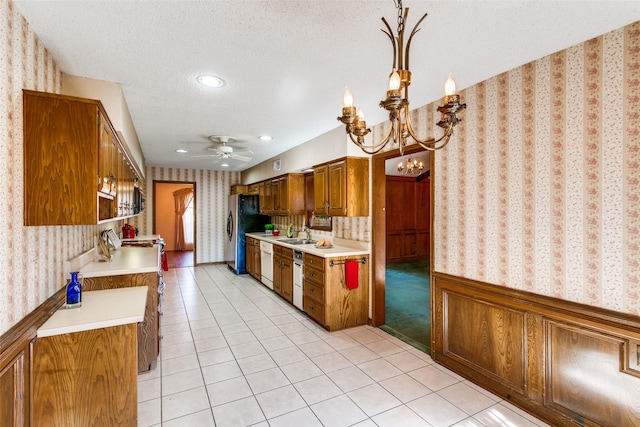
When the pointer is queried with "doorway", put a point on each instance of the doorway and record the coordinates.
(174, 220)
(402, 249)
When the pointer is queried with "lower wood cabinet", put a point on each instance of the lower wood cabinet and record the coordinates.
(326, 298)
(14, 390)
(252, 257)
(86, 378)
(283, 272)
(148, 330)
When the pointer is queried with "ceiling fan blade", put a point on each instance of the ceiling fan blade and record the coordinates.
(241, 158)
(243, 152)
(206, 155)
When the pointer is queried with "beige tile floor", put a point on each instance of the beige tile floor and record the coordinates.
(233, 353)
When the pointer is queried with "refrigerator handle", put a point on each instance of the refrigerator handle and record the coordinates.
(230, 226)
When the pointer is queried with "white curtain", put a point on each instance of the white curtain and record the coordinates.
(188, 220)
(182, 198)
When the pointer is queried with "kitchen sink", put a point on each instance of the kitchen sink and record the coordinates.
(297, 241)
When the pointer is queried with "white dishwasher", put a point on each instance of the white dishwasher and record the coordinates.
(266, 263)
(298, 263)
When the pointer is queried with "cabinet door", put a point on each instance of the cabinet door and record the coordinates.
(60, 160)
(285, 195)
(253, 189)
(249, 255)
(338, 188)
(277, 269)
(279, 195)
(14, 388)
(257, 266)
(261, 198)
(268, 198)
(105, 172)
(320, 190)
(287, 275)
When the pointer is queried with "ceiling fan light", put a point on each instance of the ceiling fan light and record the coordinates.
(210, 81)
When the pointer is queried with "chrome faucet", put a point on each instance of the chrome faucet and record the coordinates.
(306, 230)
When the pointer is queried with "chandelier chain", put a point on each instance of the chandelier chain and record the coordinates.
(400, 17)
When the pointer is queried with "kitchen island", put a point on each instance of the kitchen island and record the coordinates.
(84, 361)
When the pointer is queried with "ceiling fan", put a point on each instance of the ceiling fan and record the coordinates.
(224, 151)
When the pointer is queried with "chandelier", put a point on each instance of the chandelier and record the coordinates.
(413, 167)
(397, 101)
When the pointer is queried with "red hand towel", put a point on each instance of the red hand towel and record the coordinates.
(165, 264)
(351, 268)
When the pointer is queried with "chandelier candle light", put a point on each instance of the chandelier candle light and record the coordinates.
(414, 167)
(397, 101)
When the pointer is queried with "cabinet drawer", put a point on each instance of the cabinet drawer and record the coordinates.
(314, 309)
(314, 291)
(313, 275)
(313, 261)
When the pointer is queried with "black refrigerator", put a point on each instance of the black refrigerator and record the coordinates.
(243, 217)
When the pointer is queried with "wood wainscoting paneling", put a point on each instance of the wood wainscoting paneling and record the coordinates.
(16, 347)
(566, 363)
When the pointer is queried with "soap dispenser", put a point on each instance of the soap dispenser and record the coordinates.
(74, 291)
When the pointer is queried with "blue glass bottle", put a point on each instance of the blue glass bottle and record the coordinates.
(74, 291)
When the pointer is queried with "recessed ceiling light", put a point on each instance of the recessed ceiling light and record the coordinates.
(224, 165)
(210, 81)
(181, 150)
(265, 138)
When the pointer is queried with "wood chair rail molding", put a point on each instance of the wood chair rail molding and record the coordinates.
(567, 363)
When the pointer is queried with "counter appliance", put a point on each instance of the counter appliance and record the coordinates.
(266, 264)
(298, 278)
(243, 217)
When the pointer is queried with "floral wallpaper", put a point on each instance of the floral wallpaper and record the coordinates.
(540, 188)
(32, 257)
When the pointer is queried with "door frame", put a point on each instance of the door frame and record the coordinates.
(379, 228)
(195, 223)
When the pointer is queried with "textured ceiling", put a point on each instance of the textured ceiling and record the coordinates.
(287, 63)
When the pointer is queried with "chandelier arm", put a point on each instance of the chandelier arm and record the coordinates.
(431, 142)
(373, 149)
(415, 30)
(433, 147)
(389, 33)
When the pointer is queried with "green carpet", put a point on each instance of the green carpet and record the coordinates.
(407, 303)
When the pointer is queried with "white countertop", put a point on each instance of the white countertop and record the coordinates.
(100, 309)
(336, 250)
(125, 260)
(143, 238)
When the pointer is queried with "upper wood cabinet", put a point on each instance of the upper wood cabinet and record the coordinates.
(282, 195)
(341, 187)
(288, 195)
(75, 169)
